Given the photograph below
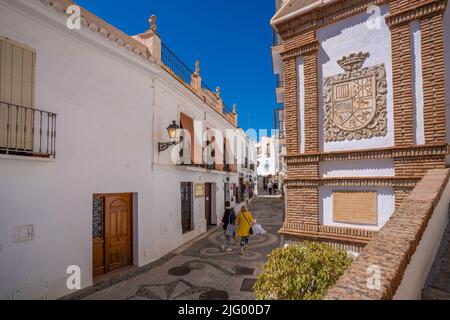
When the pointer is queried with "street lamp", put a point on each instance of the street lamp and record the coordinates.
(172, 132)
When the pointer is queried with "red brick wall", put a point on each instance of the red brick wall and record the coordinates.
(302, 205)
(311, 103)
(291, 105)
(417, 167)
(434, 78)
(402, 84)
(304, 170)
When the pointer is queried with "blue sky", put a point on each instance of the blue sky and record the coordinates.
(232, 39)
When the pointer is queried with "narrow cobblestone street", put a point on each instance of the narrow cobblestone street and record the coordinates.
(438, 286)
(200, 270)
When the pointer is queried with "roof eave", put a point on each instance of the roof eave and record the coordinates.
(281, 17)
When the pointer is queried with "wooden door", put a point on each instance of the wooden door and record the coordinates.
(112, 247)
(208, 203)
(118, 231)
(186, 206)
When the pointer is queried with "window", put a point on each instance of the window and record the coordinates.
(17, 73)
(268, 150)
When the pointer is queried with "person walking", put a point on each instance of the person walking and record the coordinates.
(245, 221)
(270, 187)
(228, 221)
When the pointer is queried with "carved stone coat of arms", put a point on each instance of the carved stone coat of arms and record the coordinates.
(355, 101)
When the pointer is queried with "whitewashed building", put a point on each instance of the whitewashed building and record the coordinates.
(269, 161)
(87, 171)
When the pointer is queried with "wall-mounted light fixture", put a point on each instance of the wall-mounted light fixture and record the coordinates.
(174, 140)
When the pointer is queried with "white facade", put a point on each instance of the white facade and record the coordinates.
(172, 99)
(268, 157)
(113, 106)
(103, 146)
(269, 161)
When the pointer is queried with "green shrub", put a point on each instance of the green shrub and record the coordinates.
(301, 272)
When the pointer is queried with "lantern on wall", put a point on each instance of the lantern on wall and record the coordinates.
(172, 131)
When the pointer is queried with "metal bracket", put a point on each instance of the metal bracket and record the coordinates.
(163, 146)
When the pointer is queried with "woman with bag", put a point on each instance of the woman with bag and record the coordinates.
(245, 221)
(228, 222)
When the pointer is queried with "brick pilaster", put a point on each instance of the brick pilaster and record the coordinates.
(311, 102)
(402, 85)
(291, 105)
(433, 78)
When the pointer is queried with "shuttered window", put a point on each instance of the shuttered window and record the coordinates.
(17, 81)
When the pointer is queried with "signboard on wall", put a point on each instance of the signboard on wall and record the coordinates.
(199, 190)
(356, 207)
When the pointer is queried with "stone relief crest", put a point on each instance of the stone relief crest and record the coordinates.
(355, 101)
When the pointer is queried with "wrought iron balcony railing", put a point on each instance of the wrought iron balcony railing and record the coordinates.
(172, 62)
(27, 131)
(280, 118)
(276, 39)
(175, 64)
(280, 81)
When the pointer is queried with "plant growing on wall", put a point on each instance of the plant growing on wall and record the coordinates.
(301, 272)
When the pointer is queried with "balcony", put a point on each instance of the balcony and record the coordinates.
(192, 80)
(277, 47)
(280, 118)
(276, 39)
(202, 157)
(280, 88)
(27, 131)
(279, 81)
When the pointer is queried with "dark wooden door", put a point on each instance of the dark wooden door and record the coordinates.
(208, 203)
(112, 243)
(186, 206)
(118, 231)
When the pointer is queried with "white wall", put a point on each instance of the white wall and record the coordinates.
(421, 262)
(171, 99)
(357, 168)
(417, 78)
(301, 102)
(352, 35)
(385, 200)
(168, 229)
(103, 145)
(268, 166)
